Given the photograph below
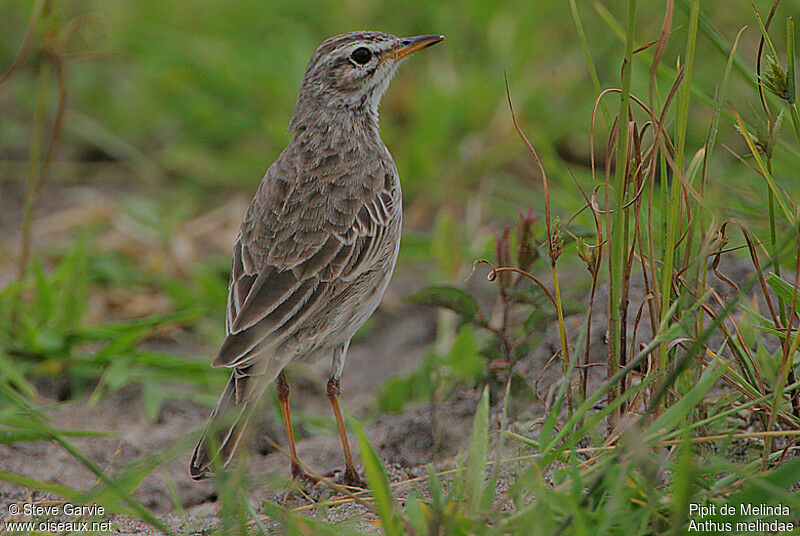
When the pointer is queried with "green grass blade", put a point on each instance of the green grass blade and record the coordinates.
(11, 435)
(782, 288)
(683, 407)
(37, 421)
(478, 451)
(378, 482)
(769, 488)
(791, 216)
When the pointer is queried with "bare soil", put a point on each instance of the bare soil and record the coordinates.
(407, 441)
(394, 344)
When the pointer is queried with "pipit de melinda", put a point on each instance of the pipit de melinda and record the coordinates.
(318, 243)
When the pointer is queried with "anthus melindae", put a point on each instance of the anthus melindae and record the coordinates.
(318, 243)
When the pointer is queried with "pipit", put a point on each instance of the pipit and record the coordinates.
(317, 245)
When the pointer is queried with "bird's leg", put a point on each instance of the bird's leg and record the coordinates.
(282, 387)
(351, 477)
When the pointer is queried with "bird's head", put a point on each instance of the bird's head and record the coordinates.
(353, 70)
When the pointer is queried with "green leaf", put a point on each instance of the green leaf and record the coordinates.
(668, 420)
(520, 395)
(417, 385)
(768, 364)
(577, 231)
(105, 483)
(43, 303)
(695, 166)
(152, 398)
(782, 288)
(378, 483)
(117, 374)
(447, 296)
(534, 295)
(549, 424)
(437, 493)
(415, 513)
(527, 441)
(445, 243)
(478, 451)
(40, 485)
(768, 488)
(12, 372)
(463, 357)
(116, 329)
(125, 482)
(13, 435)
(395, 394)
(69, 282)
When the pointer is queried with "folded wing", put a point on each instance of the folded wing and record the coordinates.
(280, 279)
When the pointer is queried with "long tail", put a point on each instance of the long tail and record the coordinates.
(225, 427)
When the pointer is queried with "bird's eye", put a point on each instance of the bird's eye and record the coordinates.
(361, 55)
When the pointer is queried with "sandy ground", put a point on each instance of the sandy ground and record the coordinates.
(400, 335)
(395, 345)
(406, 441)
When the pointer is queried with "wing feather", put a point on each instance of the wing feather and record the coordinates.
(238, 345)
(279, 279)
(270, 290)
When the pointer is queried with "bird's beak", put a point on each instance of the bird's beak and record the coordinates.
(409, 45)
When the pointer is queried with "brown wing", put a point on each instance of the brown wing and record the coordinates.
(280, 278)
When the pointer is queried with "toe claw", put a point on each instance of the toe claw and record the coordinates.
(299, 474)
(353, 479)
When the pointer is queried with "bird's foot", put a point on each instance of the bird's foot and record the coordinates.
(304, 491)
(350, 479)
(299, 474)
(353, 479)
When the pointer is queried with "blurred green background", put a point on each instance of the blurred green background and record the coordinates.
(177, 108)
(197, 95)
